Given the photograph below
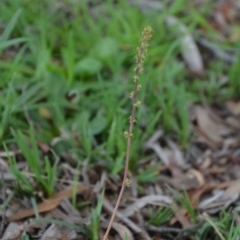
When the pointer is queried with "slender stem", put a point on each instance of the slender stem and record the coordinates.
(129, 141)
(146, 36)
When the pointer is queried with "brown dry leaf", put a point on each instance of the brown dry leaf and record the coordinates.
(169, 154)
(233, 122)
(180, 180)
(123, 231)
(197, 176)
(195, 194)
(210, 125)
(227, 9)
(52, 202)
(44, 147)
(55, 232)
(225, 184)
(220, 21)
(160, 152)
(142, 202)
(180, 216)
(176, 155)
(153, 144)
(222, 199)
(206, 162)
(13, 231)
(214, 170)
(233, 107)
(233, 191)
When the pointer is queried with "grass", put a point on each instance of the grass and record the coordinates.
(161, 216)
(46, 173)
(63, 73)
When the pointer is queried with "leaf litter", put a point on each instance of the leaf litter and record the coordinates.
(210, 185)
(207, 173)
(52, 202)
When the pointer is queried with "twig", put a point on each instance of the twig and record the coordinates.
(141, 51)
(163, 229)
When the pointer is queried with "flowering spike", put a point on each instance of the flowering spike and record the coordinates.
(132, 119)
(128, 134)
(128, 182)
(131, 95)
(137, 103)
(141, 51)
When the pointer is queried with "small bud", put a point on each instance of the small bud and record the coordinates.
(135, 79)
(127, 134)
(131, 119)
(131, 95)
(137, 103)
(128, 182)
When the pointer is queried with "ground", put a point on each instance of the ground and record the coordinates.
(67, 74)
